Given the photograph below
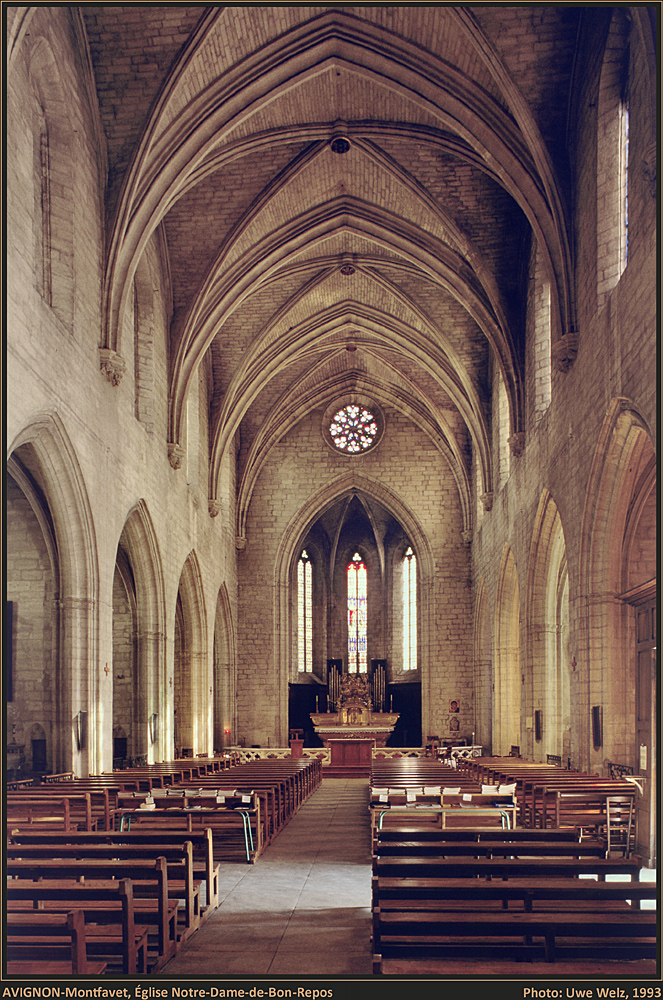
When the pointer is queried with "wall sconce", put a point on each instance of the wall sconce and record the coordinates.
(153, 727)
(80, 730)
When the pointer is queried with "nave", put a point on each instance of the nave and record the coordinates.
(304, 908)
(497, 866)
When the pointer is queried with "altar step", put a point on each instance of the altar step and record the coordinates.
(345, 771)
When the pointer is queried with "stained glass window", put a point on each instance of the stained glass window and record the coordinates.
(410, 611)
(623, 157)
(353, 429)
(304, 613)
(357, 619)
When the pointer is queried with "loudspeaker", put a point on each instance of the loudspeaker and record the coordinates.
(597, 727)
(153, 726)
(538, 725)
(80, 730)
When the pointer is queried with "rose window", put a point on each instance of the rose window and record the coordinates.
(353, 429)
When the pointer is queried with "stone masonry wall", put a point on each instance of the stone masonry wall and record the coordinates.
(415, 471)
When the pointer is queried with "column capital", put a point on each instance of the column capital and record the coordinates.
(112, 365)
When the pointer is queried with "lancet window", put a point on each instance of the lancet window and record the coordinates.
(357, 616)
(409, 569)
(304, 613)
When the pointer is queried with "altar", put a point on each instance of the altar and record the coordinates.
(378, 728)
(351, 752)
(353, 728)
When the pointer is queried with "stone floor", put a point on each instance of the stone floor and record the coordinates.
(304, 907)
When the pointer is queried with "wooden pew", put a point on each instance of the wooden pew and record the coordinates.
(443, 807)
(106, 905)
(428, 912)
(18, 783)
(636, 969)
(490, 849)
(408, 830)
(48, 944)
(241, 809)
(602, 934)
(99, 813)
(149, 883)
(421, 893)
(529, 868)
(34, 806)
(147, 844)
(23, 858)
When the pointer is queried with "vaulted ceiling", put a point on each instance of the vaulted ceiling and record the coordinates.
(348, 197)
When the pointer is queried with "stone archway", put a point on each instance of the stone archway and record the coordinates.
(139, 683)
(548, 680)
(508, 686)
(619, 580)
(44, 452)
(483, 671)
(192, 686)
(225, 713)
(285, 565)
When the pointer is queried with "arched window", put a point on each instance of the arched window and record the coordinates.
(613, 153)
(410, 611)
(357, 617)
(541, 317)
(623, 178)
(502, 416)
(304, 613)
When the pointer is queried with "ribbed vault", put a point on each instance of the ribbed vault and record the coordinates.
(324, 178)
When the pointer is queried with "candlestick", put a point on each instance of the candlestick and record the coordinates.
(391, 706)
(316, 702)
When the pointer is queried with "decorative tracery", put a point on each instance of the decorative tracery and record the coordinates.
(353, 429)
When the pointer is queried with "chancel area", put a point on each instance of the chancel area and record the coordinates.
(332, 437)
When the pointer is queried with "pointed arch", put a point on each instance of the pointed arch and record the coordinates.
(192, 682)
(43, 447)
(288, 553)
(229, 287)
(139, 542)
(311, 393)
(483, 670)
(624, 460)
(547, 653)
(171, 150)
(225, 678)
(56, 142)
(507, 703)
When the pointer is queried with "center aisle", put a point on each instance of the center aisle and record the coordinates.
(305, 907)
